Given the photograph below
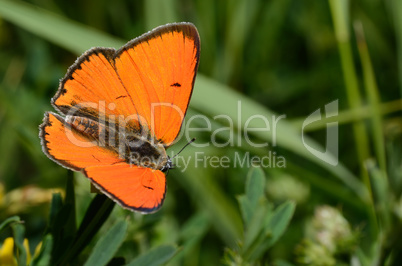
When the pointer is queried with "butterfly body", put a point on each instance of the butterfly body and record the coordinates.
(121, 109)
(132, 147)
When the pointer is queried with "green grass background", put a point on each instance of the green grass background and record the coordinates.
(276, 57)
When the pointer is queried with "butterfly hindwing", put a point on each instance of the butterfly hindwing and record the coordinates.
(135, 188)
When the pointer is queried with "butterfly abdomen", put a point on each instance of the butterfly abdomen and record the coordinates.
(84, 125)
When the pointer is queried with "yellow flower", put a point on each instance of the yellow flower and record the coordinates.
(26, 246)
(6, 253)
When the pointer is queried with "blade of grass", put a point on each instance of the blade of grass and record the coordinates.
(77, 37)
(381, 191)
(274, 18)
(349, 116)
(156, 256)
(237, 28)
(108, 245)
(396, 10)
(373, 97)
(71, 226)
(207, 27)
(159, 12)
(340, 16)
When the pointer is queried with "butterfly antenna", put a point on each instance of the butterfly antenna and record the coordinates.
(191, 141)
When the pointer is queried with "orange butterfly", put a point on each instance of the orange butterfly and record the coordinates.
(121, 110)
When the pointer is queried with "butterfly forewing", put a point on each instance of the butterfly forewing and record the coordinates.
(93, 89)
(73, 150)
(158, 72)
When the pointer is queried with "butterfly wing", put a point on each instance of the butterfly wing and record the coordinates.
(71, 149)
(135, 188)
(92, 88)
(158, 70)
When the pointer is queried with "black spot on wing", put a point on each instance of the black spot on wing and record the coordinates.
(176, 84)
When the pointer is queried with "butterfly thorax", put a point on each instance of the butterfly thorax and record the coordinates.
(138, 149)
(146, 153)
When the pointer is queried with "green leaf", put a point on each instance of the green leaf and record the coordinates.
(280, 219)
(255, 185)
(246, 209)
(44, 256)
(256, 225)
(275, 228)
(156, 256)
(19, 231)
(13, 219)
(107, 245)
(95, 216)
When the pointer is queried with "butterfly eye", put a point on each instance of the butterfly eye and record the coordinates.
(168, 165)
